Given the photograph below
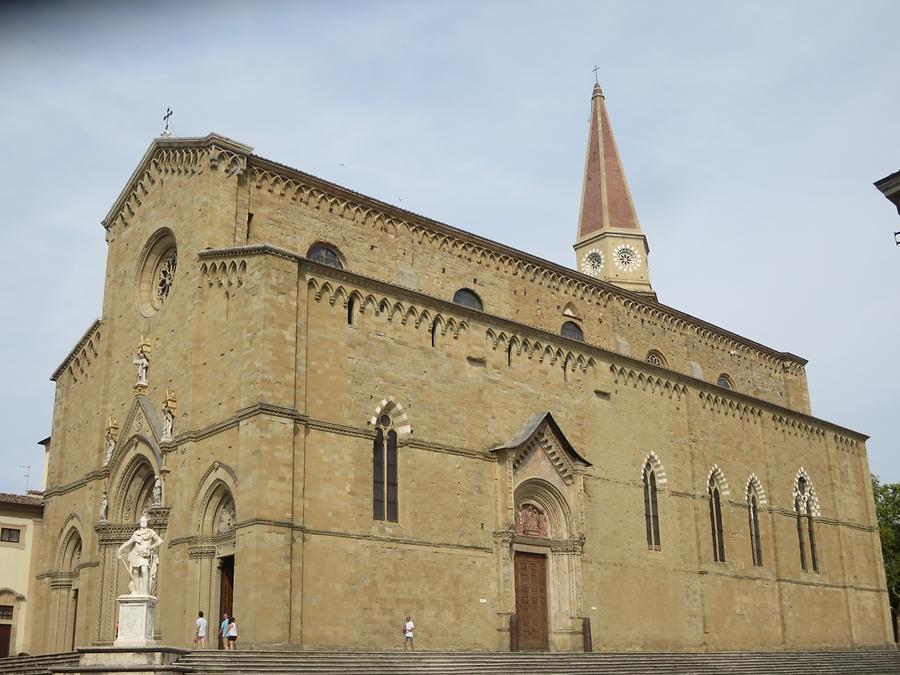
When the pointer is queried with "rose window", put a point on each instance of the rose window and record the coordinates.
(164, 274)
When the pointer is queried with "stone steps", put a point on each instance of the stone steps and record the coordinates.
(504, 663)
(37, 665)
(451, 663)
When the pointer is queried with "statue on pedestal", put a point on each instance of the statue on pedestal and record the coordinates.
(156, 495)
(104, 508)
(142, 361)
(170, 405)
(112, 434)
(142, 560)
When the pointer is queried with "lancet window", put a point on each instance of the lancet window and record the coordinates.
(755, 545)
(651, 508)
(803, 505)
(715, 521)
(384, 471)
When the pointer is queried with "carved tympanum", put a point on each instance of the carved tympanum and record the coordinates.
(532, 522)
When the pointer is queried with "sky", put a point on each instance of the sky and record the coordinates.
(750, 132)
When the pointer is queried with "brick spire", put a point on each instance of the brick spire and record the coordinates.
(610, 244)
(605, 199)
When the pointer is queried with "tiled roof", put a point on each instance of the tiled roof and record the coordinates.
(26, 500)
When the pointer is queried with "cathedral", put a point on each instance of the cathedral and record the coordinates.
(336, 413)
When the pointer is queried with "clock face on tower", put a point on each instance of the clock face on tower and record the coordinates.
(592, 262)
(626, 257)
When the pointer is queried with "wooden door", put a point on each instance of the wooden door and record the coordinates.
(531, 601)
(5, 634)
(226, 593)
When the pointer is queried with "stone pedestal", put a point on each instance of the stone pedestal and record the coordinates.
(137, 621)
(135, 661)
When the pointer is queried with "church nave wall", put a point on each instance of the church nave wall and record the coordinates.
(407, 254)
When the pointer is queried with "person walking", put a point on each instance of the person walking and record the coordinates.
(232, 634)
(223, 631)
(408, 634)
(200, 634)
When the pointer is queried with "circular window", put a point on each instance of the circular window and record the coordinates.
(156, 277)
(385, 421)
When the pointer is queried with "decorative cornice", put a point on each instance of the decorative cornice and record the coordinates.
(655, 378)
(176, 156)
(308, 189)
(793, 424)
(83, 341)
(721, 403)
(647, 381)
(192, 155)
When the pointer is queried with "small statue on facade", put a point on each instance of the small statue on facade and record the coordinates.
(170, 405)
(112, 434)
(104, 508)
(156, 495)
(141, 559)
(142, 361)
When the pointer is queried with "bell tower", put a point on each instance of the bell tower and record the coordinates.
(610, 244)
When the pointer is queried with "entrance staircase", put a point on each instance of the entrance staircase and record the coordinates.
(458, 663)
(502, 663)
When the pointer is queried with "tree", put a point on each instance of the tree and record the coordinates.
(887, 509)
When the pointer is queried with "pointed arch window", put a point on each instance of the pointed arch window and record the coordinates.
(572, 330)
(351, 310)
(755, 544)
(715, 521)
(468, 298)
(384, 471)
(803, 505)
(725, 381)
(651, 508)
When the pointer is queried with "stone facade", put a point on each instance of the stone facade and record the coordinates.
(510, 439)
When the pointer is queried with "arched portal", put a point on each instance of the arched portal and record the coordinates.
(540, 570)
(65, 584)
(543, 565)
(213, 544)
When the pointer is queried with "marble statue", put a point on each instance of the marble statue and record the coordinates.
(111, 437)
(156, 495)
(169, 407)
(168, 423)
(104, 508)
(142, 361)
(139, 554)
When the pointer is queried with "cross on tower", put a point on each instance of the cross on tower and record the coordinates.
(596, 80)
(166, 120)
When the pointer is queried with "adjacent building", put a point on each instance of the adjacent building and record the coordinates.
(20, 531)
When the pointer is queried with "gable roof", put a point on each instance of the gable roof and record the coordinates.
(523, 435)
